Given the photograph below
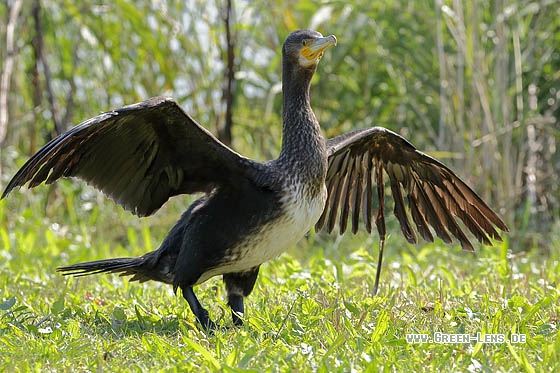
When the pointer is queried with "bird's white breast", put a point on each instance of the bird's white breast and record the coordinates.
(300, 211)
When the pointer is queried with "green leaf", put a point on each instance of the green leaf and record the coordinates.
(381, 326)
(204, 352)
(58, 306)
(119, 314)
(7, 304)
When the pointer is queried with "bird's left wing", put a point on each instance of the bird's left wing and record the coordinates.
(357, 162)
(140, 155)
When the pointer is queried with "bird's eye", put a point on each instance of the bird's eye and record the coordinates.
(304, 42)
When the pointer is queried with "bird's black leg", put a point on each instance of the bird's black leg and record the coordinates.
(235, 301)
(200, 312)
(238, 286)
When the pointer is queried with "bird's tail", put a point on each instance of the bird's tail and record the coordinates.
(123, 266)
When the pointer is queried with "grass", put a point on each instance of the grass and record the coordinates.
(312, 308)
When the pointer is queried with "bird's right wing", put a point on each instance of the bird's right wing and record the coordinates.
(139, 155)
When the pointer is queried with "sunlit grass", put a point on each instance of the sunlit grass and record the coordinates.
(312, 308)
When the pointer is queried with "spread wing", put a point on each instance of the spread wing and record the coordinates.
(139, 155)
(357, 163)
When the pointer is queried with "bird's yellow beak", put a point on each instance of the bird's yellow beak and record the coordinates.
(314, 48)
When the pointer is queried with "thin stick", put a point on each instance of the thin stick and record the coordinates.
(8, 68)
(379, 262)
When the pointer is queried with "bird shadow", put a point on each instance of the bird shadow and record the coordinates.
(168, 325)
(122, 326)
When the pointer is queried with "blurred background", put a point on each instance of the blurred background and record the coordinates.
(473, 83)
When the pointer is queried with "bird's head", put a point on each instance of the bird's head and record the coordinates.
(305, 47)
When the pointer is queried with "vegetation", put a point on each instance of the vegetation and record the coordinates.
(312, 308)
(474, 83)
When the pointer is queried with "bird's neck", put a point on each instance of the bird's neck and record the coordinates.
(303, 146)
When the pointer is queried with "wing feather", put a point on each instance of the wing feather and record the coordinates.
(435, 196)
(380, 214)
(139, 155)
(418, 217)
(337, 193)
(399, 209)
(357, 191)
(368, 192)
(345, 196)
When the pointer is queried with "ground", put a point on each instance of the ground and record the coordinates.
(312, 308)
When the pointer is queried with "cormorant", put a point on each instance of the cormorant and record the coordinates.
(141, 155)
